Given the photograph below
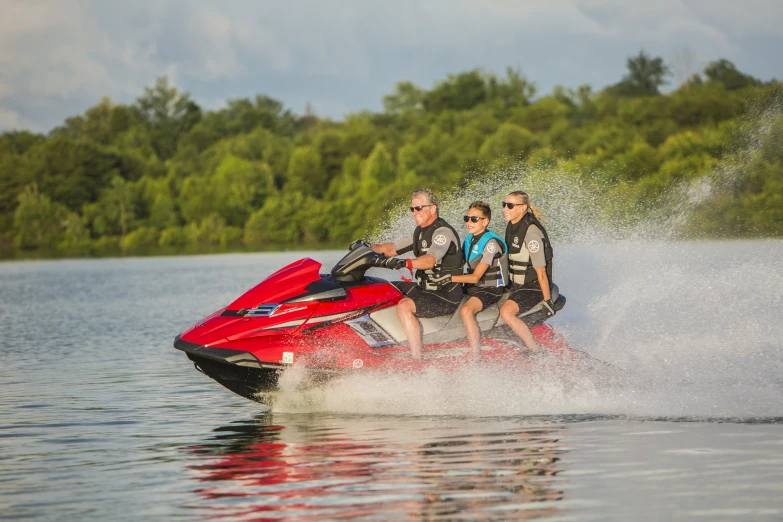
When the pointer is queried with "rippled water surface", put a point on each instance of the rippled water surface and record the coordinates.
(102, 419)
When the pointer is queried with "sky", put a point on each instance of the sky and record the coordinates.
(60, 57)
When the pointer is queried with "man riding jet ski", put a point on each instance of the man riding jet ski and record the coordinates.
(435, 245)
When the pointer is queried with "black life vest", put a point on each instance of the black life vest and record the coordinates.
(422, 241)
(519, 264)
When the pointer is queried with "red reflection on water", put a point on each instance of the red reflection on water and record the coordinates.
(325, 473)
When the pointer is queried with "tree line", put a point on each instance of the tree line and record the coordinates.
(164, 176)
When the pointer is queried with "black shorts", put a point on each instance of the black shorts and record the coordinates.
(432, 303)
(488, 295)
(525, 298)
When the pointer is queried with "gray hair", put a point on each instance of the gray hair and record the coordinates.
(432, 199)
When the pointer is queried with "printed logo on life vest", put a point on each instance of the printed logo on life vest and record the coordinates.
(533, 246)
(516, 241)
(491, 248)
(439, 240)
(423, 244)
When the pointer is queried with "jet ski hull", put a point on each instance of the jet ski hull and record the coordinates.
(248, 379)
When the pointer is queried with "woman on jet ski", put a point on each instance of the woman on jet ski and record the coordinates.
(487, 269)
(530, 264)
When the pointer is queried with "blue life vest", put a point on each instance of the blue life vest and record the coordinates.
(478, 248)
(496, 274)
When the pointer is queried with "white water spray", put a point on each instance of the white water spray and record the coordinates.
(693, 329)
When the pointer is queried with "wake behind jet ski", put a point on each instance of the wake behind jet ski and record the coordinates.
(344, 321)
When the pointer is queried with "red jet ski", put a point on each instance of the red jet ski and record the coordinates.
(342, 322)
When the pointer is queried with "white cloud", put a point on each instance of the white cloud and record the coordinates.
(217, 55)
(58, 57)
(740, 18)
(58, 50)
(6, 89)
(11, 120)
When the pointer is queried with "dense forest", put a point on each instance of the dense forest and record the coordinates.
(164, 176)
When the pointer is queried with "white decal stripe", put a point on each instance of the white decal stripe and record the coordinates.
(289, 324)
(325, 318)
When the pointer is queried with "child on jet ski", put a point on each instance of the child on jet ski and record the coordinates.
(487, 270)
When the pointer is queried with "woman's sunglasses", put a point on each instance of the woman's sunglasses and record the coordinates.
(505, 204)
(473, 219)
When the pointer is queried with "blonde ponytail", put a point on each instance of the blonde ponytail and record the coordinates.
(536, 213)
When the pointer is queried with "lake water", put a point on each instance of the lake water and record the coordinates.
(102, 419)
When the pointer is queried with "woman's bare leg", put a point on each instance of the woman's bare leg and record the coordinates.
(509, 312)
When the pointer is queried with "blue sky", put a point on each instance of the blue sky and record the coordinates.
(59, 57)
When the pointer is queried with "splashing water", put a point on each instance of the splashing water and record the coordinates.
(691, 329)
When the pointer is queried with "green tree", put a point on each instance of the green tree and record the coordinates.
(37, 220)
(726, 73)
(18, 142)
(139, 140)
(163, 213)
(707, 104)
(609, 140)
(119, 204)
(173, 237)
(305, 173)
(684, 145)
(75, 235)
(140, 241)
(361, 134)
(580, 102)
(541, 115)
(646, 75)
(331, 147)
(406, 97)
(509, 142)
(239, 187)
(11, 183)
(73, 172)
(168, 113)
(515, 90)
(465, 146)
(265, 227)
(159, 174)
(379, 165)
(459, 92)
(641, 160)
(196, 199)
(344, 186)
(105, 122)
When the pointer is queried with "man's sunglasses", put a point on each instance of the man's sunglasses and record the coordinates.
(474, 219)
(505, 204)
(418, 209)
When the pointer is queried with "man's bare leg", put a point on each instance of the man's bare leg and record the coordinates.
(406, 311)
(509, 312)
(468, 312)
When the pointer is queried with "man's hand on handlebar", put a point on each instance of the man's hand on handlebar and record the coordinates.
(392, 263)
